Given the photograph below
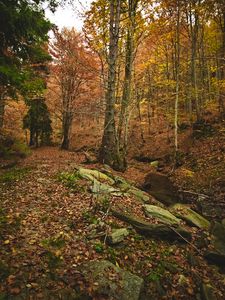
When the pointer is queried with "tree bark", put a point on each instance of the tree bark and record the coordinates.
(194, 31)
(127, 88)
(109, 151)
(177, 74)
(66, 129)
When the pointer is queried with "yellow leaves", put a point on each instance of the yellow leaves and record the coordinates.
(32, 242)
(6, 242)
(187, 172)
(58, 253)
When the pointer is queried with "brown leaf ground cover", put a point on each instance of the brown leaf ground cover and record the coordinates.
(46, 231)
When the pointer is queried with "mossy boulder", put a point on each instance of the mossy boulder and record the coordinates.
(114, 185)
(117, 236)
(184, 212)
(139, 194)
(217, 252)
(162, 215)
(100, 188)
(161, 187)
(111, 281)
(91, 174)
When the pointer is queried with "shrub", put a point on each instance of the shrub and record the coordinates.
(11, 147)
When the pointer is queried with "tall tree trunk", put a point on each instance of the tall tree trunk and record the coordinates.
(66, 129)
(222, 64)
(194, 31)
(109, 151)
(127, 88)
(177, 73)
(32, 133)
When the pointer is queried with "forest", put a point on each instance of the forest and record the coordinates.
(112, 150)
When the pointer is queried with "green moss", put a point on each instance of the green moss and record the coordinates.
(11, 147)
(89, 217)
(99, 247)
(20, 149)
(14, 174)
(112, 255)
(70, 180)
(55, 242)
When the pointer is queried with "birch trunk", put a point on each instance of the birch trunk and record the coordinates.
(109, 150)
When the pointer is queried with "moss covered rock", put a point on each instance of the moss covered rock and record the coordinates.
(184, 212)
(162, 215)
(111, 281)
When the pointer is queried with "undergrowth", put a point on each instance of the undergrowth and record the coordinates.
(70, 180)
(13, 175)
(11, 147)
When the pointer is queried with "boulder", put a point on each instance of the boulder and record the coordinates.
(91, 174)
(111, 281)
(184, 212)
(160, 187)
(207, 292)
(217, 252)
(117, 236)
(148, 229)
(163, 215)
(139, 194)
(99, 188)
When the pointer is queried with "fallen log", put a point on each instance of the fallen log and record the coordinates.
(156, 230)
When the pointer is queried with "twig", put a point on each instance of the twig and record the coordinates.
(172, 228)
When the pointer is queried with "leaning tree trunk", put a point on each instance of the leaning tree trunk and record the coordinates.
(109, 150)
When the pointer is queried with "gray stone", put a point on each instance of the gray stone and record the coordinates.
(217, 254)
(94, 174)
(161, 214)
(111, 281)
(117, 236)
(184, 212)
(139, 195)
(104, 189)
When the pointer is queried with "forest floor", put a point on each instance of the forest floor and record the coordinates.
(44, 226)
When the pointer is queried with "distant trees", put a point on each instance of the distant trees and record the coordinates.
(175, 49)
(72, 69)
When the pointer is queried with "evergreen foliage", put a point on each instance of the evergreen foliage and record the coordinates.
(23, 31)
(37, 120)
